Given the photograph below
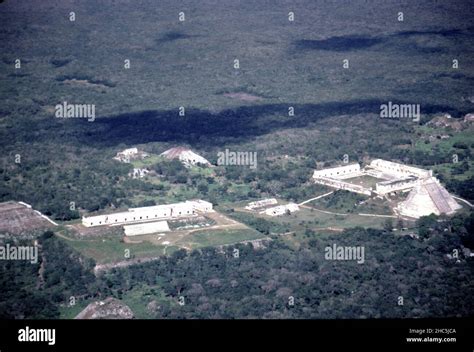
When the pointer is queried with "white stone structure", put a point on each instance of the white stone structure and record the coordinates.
(128, 154)
(124, 155)
(469, 117)
(428, 197)
(390, 170)
(25, 204)
(152, 213)
(339, 184)
(281, 209)
(340, 172)
(146, 228)
(200, 205)
(139, 173)
(261, 203)
(186, 156)
(397, 177)
(401, 184)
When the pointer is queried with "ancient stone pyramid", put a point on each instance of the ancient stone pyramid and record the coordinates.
(428, 197)
(186, 156)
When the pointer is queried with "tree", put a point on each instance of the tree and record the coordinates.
(400, 224)
(425, 224)
(388, 225)
(203, 188)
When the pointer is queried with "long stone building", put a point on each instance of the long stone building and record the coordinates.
(339, 184)
(152, 213)
(388, 169)
(281, 209)
(339, 172)
(261, 203)
(401, 184)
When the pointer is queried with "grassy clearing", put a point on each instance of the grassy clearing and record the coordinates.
(140, 297)
(109, 249)
(365, 181)
(70, 312)
(314, 219)
(459, 145)
(203, 171)
(147, 162)
(444, 145)
(207, 238)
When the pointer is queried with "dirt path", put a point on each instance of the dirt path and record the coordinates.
(464, 201)
(41, 268)
(318, 197)
(326, 211)
(59, 234)
(104, 267)
(218, 227)
(379, 216)
(359, 214)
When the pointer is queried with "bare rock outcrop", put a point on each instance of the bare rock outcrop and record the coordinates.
(110, 308)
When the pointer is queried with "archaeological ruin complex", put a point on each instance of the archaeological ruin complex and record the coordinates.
(426, 196)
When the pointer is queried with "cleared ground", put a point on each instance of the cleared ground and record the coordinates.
(223, 231)
(364, 181)
(324, 215)
(318, 219)
(107, 245)
(17, 219)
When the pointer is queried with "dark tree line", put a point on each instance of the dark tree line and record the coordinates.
(261, 283)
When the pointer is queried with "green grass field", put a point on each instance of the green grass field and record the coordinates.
(315, 219)
(140, 297)
(450, 149)
(206, 238)
(365, 181)
(110, 249)
(70, 312)
(147, 162)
